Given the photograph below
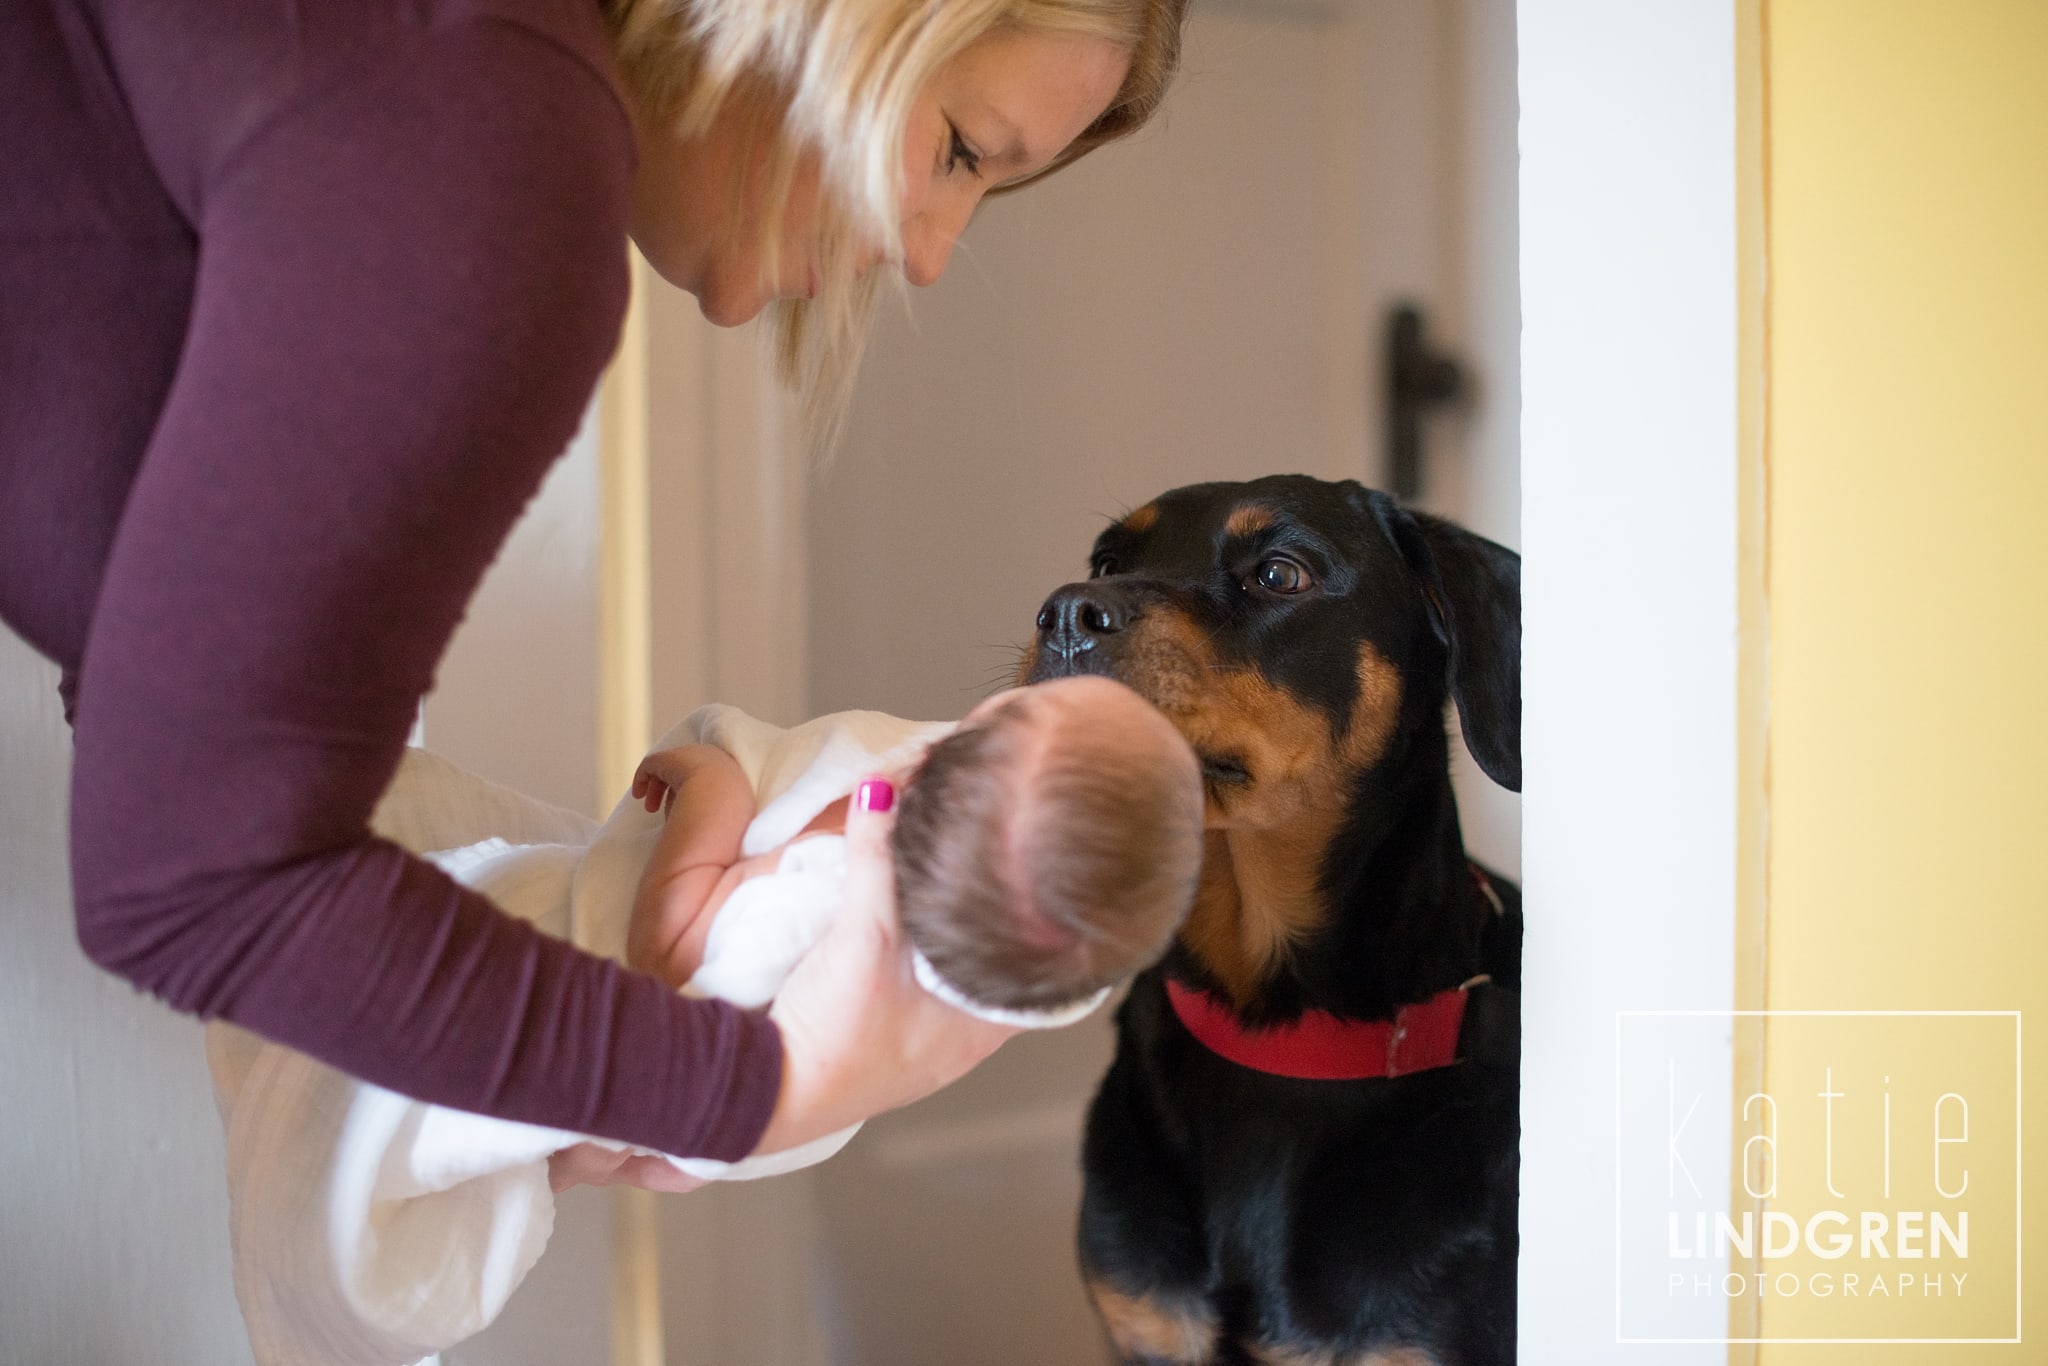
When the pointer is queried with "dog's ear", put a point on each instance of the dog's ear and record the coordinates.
(1474, 591)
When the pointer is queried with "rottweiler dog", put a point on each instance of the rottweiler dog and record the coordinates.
(1305, 1151)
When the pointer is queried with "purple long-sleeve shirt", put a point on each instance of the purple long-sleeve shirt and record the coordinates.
(297, 304)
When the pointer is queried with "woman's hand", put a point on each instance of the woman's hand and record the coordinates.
(593, 1164)
(859, 1036)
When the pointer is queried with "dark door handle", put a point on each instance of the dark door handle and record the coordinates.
(1419, 380)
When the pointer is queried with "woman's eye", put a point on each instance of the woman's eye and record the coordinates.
(959, 154)
(1282, 575)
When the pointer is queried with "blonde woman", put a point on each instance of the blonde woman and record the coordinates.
(297, 304)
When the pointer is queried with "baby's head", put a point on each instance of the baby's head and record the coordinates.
(1051, 845)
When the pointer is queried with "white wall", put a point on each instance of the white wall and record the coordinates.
(515, 698)
(113, 1209)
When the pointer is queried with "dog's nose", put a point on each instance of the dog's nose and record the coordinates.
(1080, 614)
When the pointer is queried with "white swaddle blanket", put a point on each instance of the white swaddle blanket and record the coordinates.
(372, 1229)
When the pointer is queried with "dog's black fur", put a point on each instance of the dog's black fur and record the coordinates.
(1305, 636)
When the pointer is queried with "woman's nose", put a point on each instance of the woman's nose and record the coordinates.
(928, 237)
(925, 253)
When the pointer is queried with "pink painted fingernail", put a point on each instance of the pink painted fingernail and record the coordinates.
(877, 794)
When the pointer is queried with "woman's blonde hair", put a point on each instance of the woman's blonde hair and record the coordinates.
(845, 73)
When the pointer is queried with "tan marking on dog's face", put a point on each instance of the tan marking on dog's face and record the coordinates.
(1260, 892)
(1154, 1330)
(1248, 520)
(1317, 1356)
(1140, 520)
(1376, 712)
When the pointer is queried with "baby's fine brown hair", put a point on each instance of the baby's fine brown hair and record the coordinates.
(1051, 849)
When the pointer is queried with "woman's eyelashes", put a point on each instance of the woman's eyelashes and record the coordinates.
(959, 154)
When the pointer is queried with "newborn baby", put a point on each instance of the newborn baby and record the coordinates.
(1045, 850)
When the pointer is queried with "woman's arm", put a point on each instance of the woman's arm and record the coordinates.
(708, 801)
(409, 280)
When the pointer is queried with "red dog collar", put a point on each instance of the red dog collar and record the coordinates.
(1321, 1047)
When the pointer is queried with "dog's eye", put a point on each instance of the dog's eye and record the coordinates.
(1104, 567)
(1282, 575)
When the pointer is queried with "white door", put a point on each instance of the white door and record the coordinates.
(1206, 303)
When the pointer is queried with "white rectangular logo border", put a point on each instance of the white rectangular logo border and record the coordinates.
(2019, 1186)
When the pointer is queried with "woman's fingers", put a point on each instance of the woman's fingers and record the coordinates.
(586, 1164)
(859, 1035)
(593, 1164)
(870, 871)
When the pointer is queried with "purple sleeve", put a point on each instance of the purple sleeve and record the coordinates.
(407, 286)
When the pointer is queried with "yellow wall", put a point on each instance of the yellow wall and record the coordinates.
(1907, 450)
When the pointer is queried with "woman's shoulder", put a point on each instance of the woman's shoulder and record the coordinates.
(207, 80)
(576, 27)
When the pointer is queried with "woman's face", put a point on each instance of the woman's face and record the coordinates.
(1000, 110)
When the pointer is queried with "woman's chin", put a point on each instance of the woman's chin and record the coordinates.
(723, 309)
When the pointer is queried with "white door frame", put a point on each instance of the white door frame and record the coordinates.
(1639, 596)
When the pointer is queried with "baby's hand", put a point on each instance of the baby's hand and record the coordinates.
(706, 803)
(660, 774)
